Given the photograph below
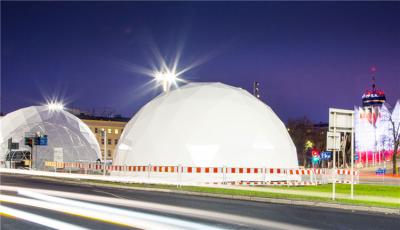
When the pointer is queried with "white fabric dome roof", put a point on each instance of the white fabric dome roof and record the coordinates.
(64, 131)
(206, 125)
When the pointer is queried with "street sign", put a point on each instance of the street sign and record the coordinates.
(326, 155)
(341, 120)
(42, 140)
(332, 141)
(14, 145)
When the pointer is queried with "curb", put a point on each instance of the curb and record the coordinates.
(380, 210)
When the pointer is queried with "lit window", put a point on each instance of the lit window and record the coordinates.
(116, 131)
(109, 131)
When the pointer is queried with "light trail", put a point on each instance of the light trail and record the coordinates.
(41, 220)
(188, 212)
(175, 223)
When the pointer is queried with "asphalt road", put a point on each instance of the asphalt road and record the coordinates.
(182, 211)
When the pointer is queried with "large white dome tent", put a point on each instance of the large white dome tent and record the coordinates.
(66, 133)
(206, 125)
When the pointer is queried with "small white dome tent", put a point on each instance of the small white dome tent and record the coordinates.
(66, 133)
(206, 125)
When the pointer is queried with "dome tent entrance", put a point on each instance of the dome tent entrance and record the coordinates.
(66, 133)
(206, 125)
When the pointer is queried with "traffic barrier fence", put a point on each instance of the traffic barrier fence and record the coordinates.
(210, 175)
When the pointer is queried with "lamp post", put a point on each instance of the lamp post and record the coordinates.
(104, 136)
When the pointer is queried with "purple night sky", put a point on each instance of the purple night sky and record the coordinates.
(307, 56)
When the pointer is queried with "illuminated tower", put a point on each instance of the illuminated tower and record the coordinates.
(372, 100)
(373, 97)
(370, 133)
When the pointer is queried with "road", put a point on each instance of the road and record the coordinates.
(73, 205)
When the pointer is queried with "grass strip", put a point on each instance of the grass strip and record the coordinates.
(262, 194)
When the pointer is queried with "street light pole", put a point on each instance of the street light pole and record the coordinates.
(104, 135)
(166, 85)
(352, 156)
(334, 157)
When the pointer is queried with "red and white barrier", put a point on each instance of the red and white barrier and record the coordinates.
(260, 176)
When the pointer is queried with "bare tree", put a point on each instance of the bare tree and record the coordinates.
(394, 119)
(396, 141)
(301, 131)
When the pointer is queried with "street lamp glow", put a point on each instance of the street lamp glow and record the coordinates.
(54, 105)
(167, 78)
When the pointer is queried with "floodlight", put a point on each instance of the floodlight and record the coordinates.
(55, 106)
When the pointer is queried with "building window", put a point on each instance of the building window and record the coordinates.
(96, 130)
(109, 153)
(116, 131)
(122, 130)
(115, 141)
(109, 131)
(102, 141)
(109, 141)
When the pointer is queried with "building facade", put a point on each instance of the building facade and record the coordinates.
(114, 126)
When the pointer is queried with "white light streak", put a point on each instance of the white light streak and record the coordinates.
(85, 212)
(158, 222)
(189, 212)
(38, 219)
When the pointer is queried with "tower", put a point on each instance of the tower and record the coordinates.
(368, 136)
(372, 100)
(373, 97)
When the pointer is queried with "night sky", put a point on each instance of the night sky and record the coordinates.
(307, 56)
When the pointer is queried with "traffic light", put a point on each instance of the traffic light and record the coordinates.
(28, 141)
(315, 155)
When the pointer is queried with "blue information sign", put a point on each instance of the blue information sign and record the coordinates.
(42, 140)
(326, 155)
